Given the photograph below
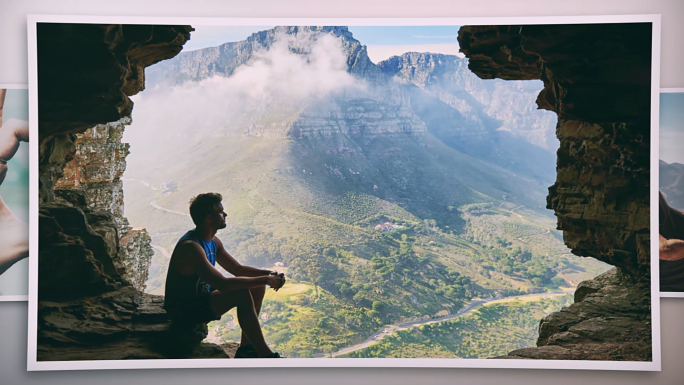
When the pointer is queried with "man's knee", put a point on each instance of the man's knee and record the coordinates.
(258, 291)
(243, 297)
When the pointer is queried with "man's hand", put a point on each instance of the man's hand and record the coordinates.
(276, 280)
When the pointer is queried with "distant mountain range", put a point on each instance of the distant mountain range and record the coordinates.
(672, 184)
(493, 120)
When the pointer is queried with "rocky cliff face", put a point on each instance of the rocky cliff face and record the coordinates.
(226, 58)
(610, 320)
(96, 169)
(89, 303)
(600, 90)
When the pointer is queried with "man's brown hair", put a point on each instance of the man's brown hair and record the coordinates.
(203, 205)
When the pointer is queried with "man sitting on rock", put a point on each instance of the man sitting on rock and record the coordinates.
(196, 292)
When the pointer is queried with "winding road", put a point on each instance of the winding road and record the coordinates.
(154, 201)
(156, 206)
(411, 324)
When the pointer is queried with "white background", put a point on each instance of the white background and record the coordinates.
(13, 64)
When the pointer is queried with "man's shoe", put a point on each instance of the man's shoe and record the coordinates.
(274, 355)
(246, 351)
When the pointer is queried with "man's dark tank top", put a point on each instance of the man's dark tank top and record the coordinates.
(184, 288)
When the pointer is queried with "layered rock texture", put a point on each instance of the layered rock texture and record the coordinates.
(610, 320)
(600, 90)
(96, 169)
(92, 264)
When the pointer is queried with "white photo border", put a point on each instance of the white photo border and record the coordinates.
(14, 298)
(669, 294)
(34, 365)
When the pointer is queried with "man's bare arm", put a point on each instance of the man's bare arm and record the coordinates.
(195, 257)
(671, 249)
(234, 267)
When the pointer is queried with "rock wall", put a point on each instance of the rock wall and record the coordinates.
(597, 80)
(92, 264)
(96, 169)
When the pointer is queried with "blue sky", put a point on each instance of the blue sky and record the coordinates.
(382, 42)
(672, 127)
(403, 35)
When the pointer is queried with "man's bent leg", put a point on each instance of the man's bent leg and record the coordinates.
(247, 316)
(258, 297)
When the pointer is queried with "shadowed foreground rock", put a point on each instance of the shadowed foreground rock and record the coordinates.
(92, 264)
(611, 321)
(597, 80)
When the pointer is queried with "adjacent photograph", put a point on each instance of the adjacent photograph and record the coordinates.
(671, 197)
(344, 192)
(14, 194)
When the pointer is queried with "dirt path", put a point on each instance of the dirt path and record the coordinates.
(411, 324)
(141, 182)
(156, 206)
(162, 250)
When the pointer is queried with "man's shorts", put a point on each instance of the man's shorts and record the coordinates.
(196, 311)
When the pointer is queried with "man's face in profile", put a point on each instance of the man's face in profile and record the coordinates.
(218, 218)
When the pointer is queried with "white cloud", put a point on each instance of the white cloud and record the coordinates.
(378, 53)
(277, 79)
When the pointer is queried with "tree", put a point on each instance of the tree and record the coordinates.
(558, 281)
(372, 313)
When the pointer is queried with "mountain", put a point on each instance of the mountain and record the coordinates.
(387, 191)
(223, 60)
(672, 183)
(497, 104)
(493, 120)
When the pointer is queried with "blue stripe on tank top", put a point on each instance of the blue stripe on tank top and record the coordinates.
(209, 247)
